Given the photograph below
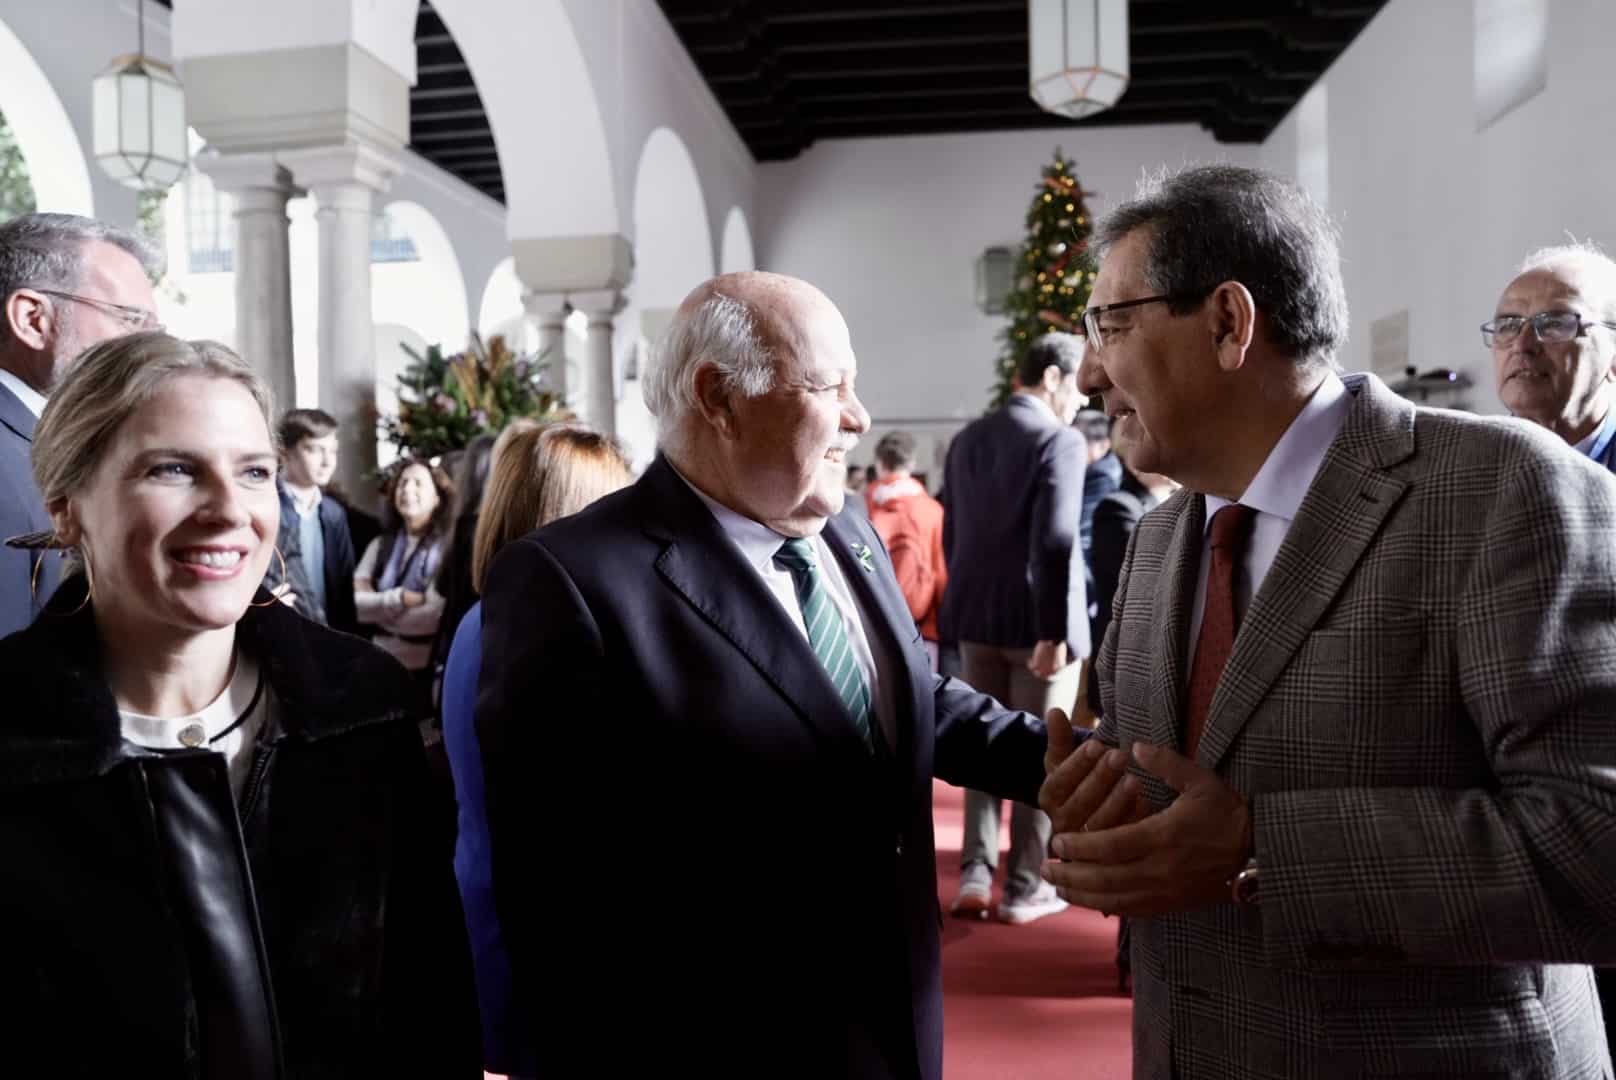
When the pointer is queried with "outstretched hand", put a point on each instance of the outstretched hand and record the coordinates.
(1177, 860)
(1086, 787)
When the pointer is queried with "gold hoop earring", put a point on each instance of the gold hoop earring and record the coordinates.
(89, 583)
(273, 599)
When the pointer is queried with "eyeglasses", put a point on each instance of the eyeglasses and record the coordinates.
(133, 318)
(1551, 327)
(1091, 316)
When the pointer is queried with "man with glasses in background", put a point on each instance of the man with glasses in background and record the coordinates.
(1555, 350)
(67, 283)
(1363, 669)
(1553, 337)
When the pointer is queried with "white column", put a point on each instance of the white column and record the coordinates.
(343, 180)
(549, 311)
(601, 307)
(260, 188)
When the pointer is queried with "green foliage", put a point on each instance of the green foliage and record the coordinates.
(16, 189)
(446, 401)
(1055, 272)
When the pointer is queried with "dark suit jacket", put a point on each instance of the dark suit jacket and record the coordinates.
(1114, 520)
(1418, 707)
(1100, 479)
(1608, 458)
(21, 511)
(696, 859)
(338, 569)
(1013, 494)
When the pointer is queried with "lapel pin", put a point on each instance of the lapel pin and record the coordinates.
(866, 557)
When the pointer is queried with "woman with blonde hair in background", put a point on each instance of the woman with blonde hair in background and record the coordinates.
(208, 803)
(540, 472)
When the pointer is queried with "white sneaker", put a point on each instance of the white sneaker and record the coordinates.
(1042, 901)
(975, 896)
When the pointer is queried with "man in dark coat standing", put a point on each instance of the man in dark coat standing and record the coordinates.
(66, 283)
(1016, 599)
(711, 680)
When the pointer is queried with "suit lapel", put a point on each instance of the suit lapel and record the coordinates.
(15, 415)
(1339, 518)
(1174, 600)
(701, 563)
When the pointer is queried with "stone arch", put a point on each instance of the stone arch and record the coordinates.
(500, 311)
(673, 250)
(57, 165)
(429, 294)
(527, 63)
(737, 244)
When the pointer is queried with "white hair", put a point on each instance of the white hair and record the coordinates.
(721, 331)
(1584, 258)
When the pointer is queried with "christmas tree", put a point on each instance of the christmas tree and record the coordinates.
(1055, 272)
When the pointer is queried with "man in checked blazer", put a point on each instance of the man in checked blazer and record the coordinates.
(1391, 850)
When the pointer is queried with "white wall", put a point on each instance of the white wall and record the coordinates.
(890, 229)
(644, 79)
(1436, 215)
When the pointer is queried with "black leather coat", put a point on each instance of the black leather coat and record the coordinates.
(340, 855)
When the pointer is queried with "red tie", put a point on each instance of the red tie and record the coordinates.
(1231, 531)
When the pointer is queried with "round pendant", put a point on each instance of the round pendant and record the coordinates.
(192, 735)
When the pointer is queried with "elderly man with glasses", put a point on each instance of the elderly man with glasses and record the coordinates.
(1362, 669)
(66, 283)
(1554, 347)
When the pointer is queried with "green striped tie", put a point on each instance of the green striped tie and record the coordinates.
(826, 634)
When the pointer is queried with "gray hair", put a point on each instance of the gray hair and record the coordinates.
(1094, 424)
(46, 251)
(1584, 258)
(1214, 223)
(722, 331)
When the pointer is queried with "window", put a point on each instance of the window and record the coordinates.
(210, 227)
(389, 243)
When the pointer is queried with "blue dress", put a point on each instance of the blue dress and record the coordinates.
(505, 1041)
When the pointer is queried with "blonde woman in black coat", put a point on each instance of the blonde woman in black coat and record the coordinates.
(210, 807)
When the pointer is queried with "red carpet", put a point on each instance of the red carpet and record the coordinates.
(1034, 1002)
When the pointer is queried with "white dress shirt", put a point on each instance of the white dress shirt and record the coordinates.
(229, 725)
(31, 399)
(758, 545)
(1276, 493)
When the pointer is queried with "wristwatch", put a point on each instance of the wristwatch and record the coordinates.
(1243, 886)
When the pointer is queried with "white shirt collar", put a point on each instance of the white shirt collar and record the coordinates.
(31, 399)
(1585, 447)
(758, 543)
(1041, 403)
(1281, 484)
(304, 499)
(165, 732)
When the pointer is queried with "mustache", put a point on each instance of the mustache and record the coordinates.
(844, 441)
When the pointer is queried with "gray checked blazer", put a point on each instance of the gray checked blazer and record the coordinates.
(1421, 706)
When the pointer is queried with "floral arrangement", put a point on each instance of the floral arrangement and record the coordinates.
(446, 401)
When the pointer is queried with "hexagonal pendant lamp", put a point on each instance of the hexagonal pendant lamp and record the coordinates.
(1077, 55)
(139, 108)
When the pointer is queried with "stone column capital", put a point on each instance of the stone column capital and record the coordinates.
(258, 177)
(336, 172)
(600, 305)
(547, 307)
(570, 264)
